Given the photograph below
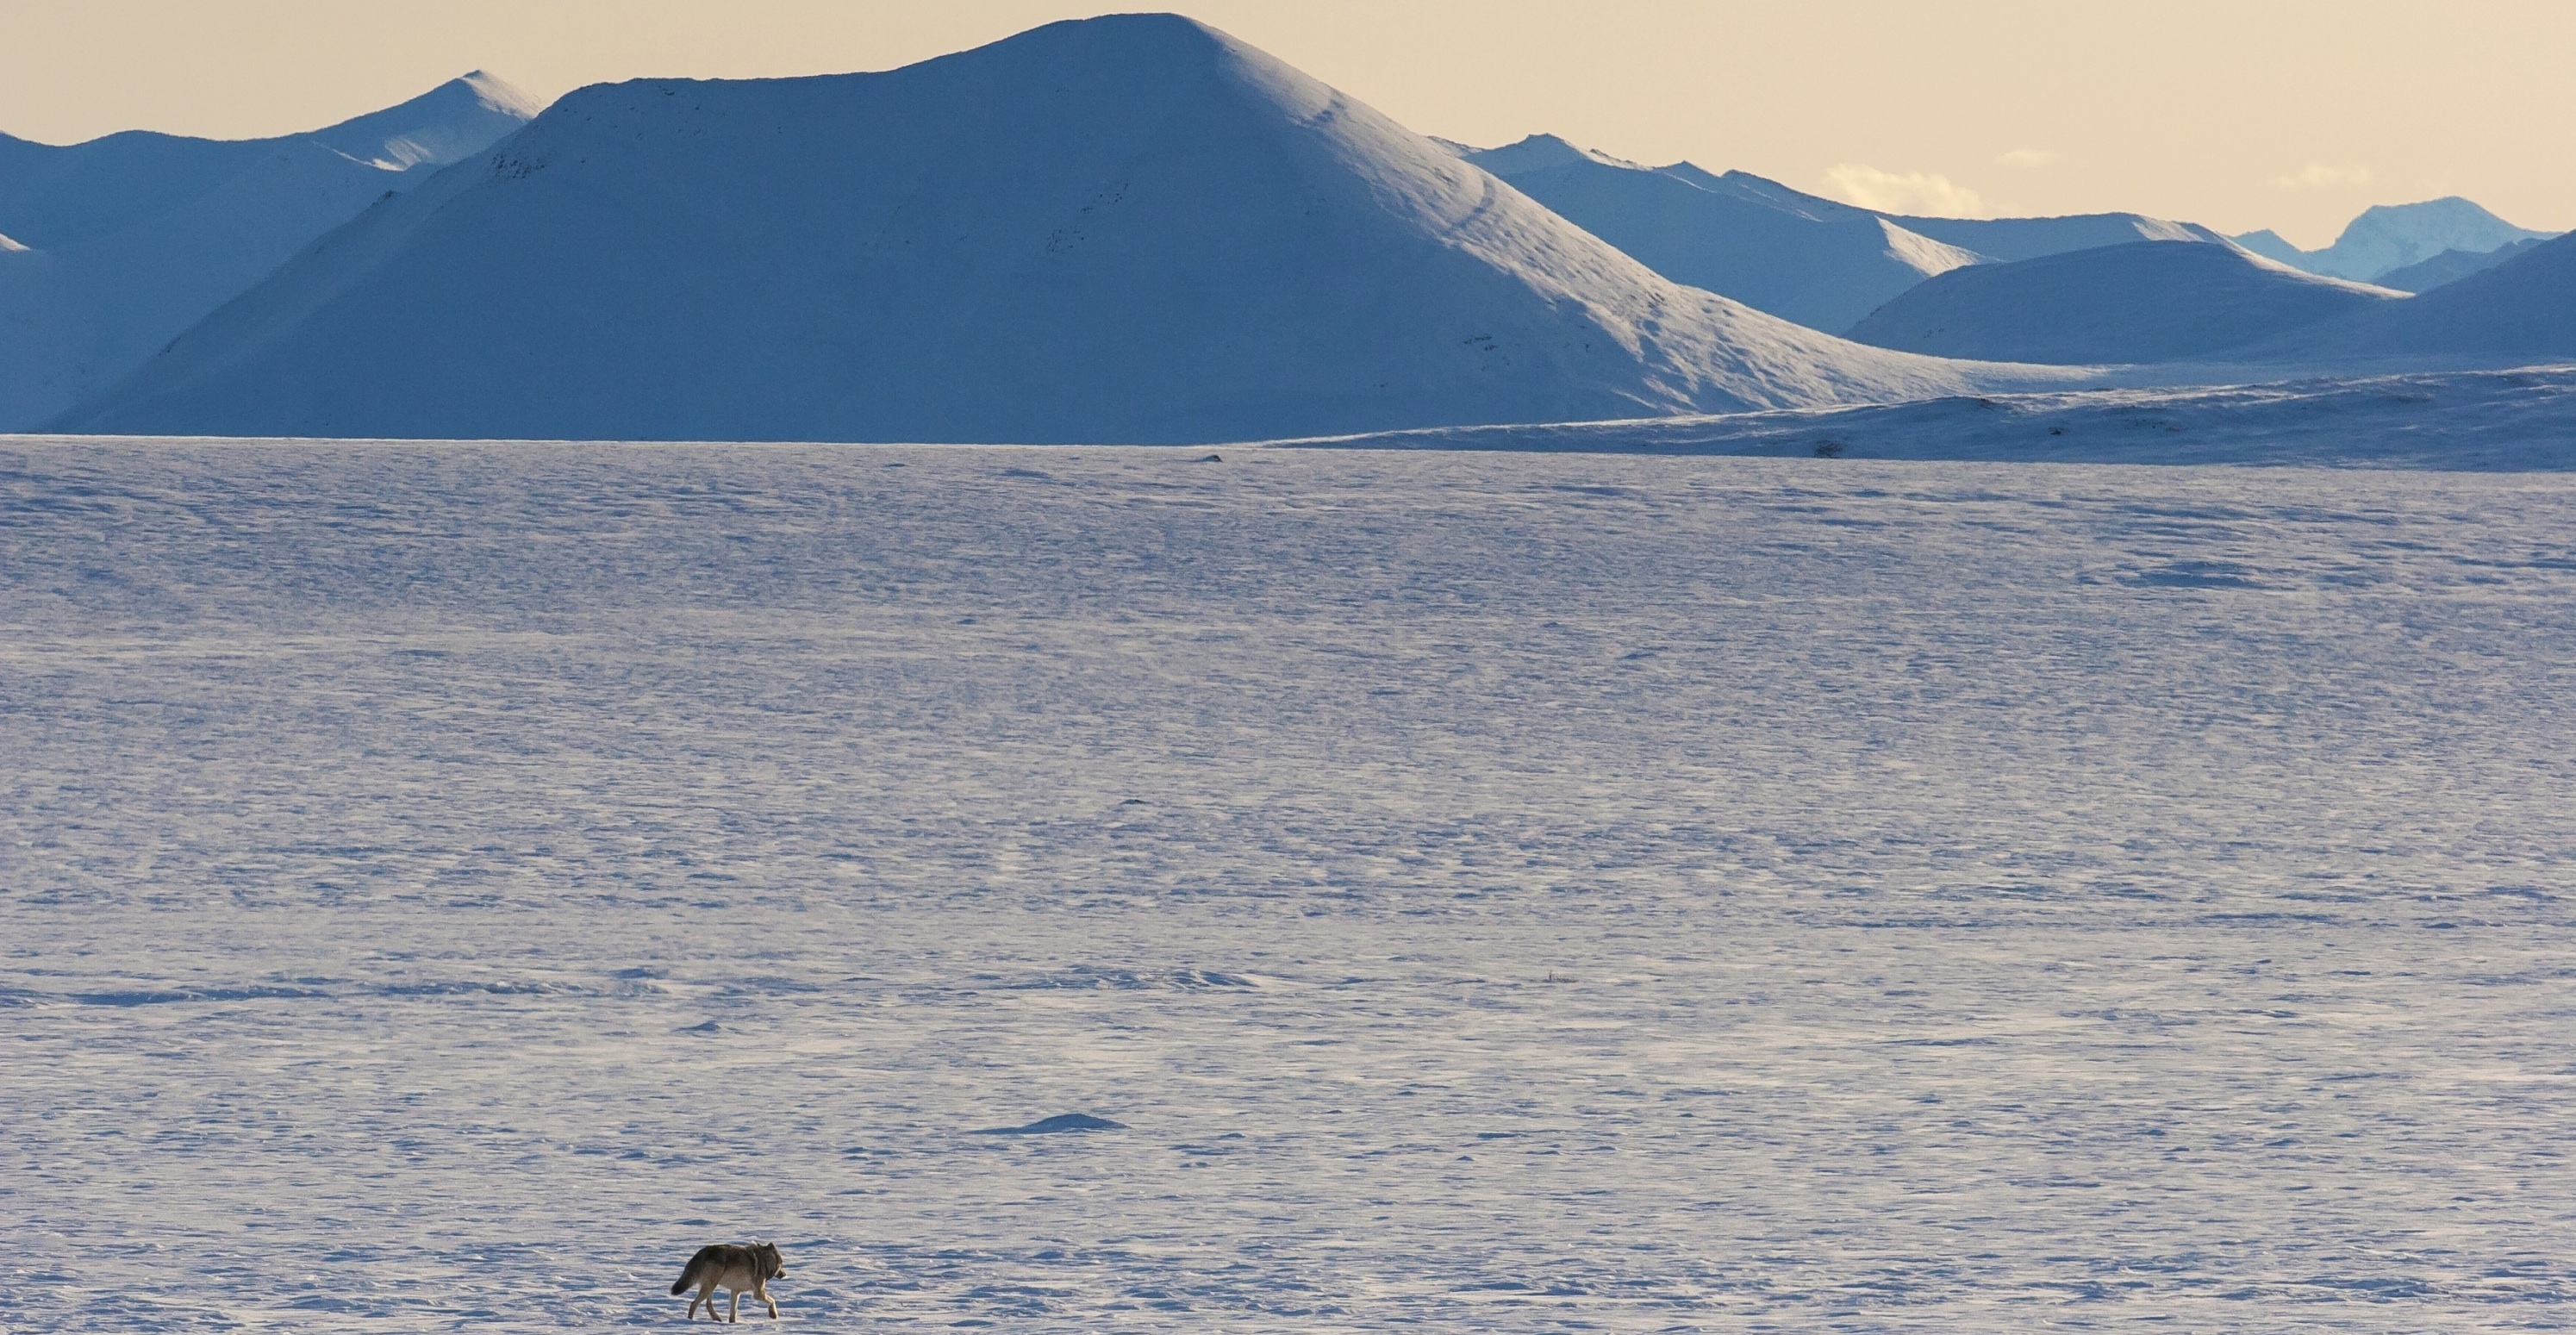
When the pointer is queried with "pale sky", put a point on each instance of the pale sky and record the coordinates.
(2283, 114)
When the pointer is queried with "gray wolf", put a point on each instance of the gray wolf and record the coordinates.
(739, 1267)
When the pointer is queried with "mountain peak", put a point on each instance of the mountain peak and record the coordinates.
(1539, 152)
(1132, 229)
(457, 119)
(496, 93)
(2387, 237)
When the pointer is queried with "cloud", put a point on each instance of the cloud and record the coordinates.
(2028, 157)
(2319, 176)
(1912, 192)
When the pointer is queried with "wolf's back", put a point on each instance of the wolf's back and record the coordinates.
(690, 1271)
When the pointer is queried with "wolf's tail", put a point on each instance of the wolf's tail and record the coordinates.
(682, 1284)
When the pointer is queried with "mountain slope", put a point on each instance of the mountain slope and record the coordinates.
(2450, 267)
(2029, 238)
(2388, 237)
(457, 119)
(1821, 267)
(2147, 301)
(144, 234)
(1126, 228)
(1817, 261)
(2522, 310)
(1992, 238)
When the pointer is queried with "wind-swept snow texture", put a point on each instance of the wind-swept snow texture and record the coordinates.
(139, 235)
(2147, 301)
(1822, 264)
(2386, 237)
(448, 885)
(1126, 228)
(2484, 420)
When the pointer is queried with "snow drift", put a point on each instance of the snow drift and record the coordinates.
(2148, 301)
(136, 236)
(1127, 228)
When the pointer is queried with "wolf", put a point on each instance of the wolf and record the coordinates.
(739, 1267)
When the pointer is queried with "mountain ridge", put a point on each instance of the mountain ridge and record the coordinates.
(1128, 228)
(146, 233)
(2384, 238)
(1803, 257)
(2140, 302)
(1822, 268)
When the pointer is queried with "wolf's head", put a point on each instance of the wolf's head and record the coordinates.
(772, 1265)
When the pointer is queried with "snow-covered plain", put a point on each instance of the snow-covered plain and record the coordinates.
(447, 883)
(2459, 421)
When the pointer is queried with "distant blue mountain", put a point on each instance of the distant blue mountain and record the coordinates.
(116, 245)
(1820, 262)
(2146, 301)
(2389, 237)
(1817, 262)
(2451, 266)
(1125, 229)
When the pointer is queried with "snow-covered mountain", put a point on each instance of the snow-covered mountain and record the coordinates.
(1127, 228)
(2450, 267)
(136, 236)
(1811, 260)
(1814, 260)
(1989, 238)
(2146, 301)
(2029, 238)
(2388, 237)
(2520, 311)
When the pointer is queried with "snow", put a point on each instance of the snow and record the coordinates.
(2147, 301)
(2387, 237)
(2449, 267)
(1538, 152)
(447, 884)
(2522, 419)
(1988, 238)
(1130, 228)
(2030, 238)
(149, 232)
(1820, 264)
(2270, 245)
(453, 121)
(2523, 309)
